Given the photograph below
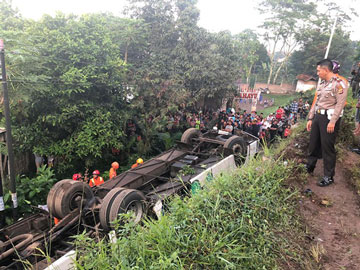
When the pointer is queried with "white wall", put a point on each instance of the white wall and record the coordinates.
(302, 86)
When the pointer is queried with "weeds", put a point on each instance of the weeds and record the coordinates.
(239, 221)
(187, 170)
(31, 191)
(355, 176)
(317, 252)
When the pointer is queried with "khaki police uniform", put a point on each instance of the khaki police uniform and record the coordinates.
(329, 105)
(355, 82)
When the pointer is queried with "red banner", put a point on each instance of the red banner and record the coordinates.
(248, 95)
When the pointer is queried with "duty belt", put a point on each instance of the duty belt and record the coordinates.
(321, 111)
(328, 112)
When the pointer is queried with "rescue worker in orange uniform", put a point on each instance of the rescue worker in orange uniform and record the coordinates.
(97, 180)
(139, 161)
(114, 167)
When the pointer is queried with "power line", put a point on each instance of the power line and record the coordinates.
(32, 52)
(56, 58)
(55, 82)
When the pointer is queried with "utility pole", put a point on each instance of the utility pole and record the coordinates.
(8, 132)
(330, 40)
(331, 37)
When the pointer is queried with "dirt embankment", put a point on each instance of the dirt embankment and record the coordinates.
(331, 214)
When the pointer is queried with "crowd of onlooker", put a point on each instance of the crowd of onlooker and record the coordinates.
(266, 128)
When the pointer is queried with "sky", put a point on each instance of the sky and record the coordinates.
(215, 15)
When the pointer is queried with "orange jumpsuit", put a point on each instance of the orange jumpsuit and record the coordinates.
(134, 166)
(96, 181)
(112, 173)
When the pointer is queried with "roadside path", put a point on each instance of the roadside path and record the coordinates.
(333, 214)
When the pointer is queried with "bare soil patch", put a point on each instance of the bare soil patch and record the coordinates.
(331, 214)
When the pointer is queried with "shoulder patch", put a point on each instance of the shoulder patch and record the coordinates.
(343, 81)
(340, 89)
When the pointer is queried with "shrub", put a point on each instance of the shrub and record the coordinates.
(32, 191)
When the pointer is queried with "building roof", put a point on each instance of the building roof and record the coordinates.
(305, 77)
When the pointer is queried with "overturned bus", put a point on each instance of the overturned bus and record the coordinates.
(140, 191)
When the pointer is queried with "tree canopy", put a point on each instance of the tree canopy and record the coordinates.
(76, 82)
(299, 31)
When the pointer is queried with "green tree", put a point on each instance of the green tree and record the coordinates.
(11, 19)
(75, 88)
(303, 24)
(313, 50)
(250, 52)
(206, 61)
(284, 25)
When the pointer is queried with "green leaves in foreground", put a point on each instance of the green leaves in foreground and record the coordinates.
(240, 221)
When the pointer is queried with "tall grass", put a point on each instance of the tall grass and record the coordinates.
(242, 220)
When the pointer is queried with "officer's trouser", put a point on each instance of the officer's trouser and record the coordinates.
(322, 144)
(355, 89)
(357, 115)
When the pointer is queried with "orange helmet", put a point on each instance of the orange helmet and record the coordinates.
(115, 165)
(139, 161)
(96, 172)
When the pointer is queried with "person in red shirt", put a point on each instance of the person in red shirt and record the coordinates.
(114, 167)
(97, 180)
(287, 131)
(279, 113)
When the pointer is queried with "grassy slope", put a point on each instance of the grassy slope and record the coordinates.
(243, 220)
(280, 100)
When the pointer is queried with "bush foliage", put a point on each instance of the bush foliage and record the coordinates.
(31, 191)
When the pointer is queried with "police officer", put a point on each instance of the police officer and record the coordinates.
(324, 120)
(355, 82)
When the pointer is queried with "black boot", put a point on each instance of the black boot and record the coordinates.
(325, 181)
